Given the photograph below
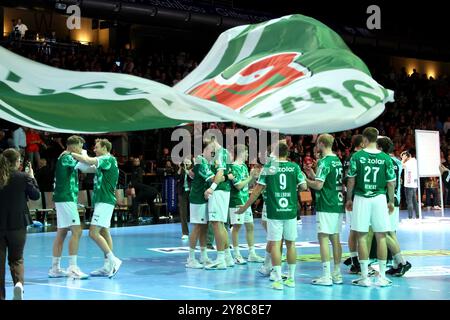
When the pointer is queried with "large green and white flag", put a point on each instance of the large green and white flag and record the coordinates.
(292, 74)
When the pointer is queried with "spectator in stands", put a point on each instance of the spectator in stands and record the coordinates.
(410, 181)
(445, 174)
(446, 127)
(34, 142)
(21, 28)
(45, 176)
(3, 141)
(431, 191)
(19, 141)
(183, 188)
(15, 190)
(142, 192)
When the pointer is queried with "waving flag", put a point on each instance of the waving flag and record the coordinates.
(292, 74)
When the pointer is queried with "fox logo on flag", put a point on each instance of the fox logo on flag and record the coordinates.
(236, 89)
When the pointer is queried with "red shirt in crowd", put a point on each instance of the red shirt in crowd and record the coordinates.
(33, 142)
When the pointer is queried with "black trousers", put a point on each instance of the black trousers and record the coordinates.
(145, 197)
(12, 242)
(183, 208)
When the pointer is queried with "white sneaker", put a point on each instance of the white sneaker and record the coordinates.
(337, 278)
(255, 258)
(115, 265)
(75, 272)
(57, 273)
(184, 237)
(273, 276)
(18, 291)
(362, 282)
(322, 281)
(206, 261)
(278, 285)
(240, 260)
(216, 265)
(383, 282)
(193, 264)
(102, 272)
(229, 261)
(264, 270)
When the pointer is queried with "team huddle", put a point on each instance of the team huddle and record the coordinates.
(368, 192)
(370, 197)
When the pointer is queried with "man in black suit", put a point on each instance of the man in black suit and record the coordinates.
(143, 193)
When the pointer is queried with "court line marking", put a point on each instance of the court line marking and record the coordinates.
(414, 288)
(434, 290)
(93, 290)
(206, 289)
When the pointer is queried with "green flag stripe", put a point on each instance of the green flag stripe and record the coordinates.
(232, 51)
(96, 115)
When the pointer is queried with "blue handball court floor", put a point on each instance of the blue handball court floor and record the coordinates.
(154, 267)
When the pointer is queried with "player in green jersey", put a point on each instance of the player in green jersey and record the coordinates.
(400, 265)
(282, 181)
(104, 200)
(218, 195)
(238, 196)
(65, 196)
(358, 144)
(330, 208)
(370, 177)
(198, 205)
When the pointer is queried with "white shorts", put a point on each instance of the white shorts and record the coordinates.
(370, 212)
(264, 213)
(246, 217)
(328, 222)
(102, 215)
(218, 206)
(348, 218)
(279, 229)
(66, 214)
(199, 213)
(394, 217)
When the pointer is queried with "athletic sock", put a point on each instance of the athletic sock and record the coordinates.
(382, 264)
(237, 253)
(268, 260)
(326, 269)
(251, 250)
(56, 263)
(292, 270)
(337, 268)
(110, 256)
(277, 270)
(204, 253)
(191, 253)
(73, 260)
(398, 258)
(364, 268)
(228, 253)
(221, 256)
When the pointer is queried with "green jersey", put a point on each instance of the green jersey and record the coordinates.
(330, 198)
(266, 166)
(398, 168)
(281, 180)
(239, 197)
(372, 171)
(221, 162)
(105, 182)
(200, 182)
(66, 180)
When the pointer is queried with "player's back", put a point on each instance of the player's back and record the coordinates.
(281, 179)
